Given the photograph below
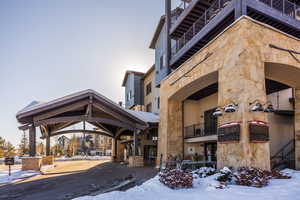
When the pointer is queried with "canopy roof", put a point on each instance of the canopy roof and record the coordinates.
(87, 105)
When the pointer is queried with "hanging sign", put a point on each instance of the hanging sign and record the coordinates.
(229, 132)
(258, 131)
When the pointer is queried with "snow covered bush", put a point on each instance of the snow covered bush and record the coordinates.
(225, 175)
(254, 177)
(204, 172)
(176, 178)
(250, 176)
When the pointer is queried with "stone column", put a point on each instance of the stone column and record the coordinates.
(135, 143)
(32, 141)
(242, 80)
(170, 141)
(114, 149)
(297, 128)
(48, 152)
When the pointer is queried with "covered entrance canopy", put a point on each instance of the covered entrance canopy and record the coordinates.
(86, 106)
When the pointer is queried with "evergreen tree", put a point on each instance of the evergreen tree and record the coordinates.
(40, 149)
(24, 149)
(9, 150)
(2, 147)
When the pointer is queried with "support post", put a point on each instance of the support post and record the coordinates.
(168, 39)
(48, 146)
(135, 143)
(32, 141)
(240, 9)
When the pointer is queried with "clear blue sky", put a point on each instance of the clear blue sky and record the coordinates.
(50, 48)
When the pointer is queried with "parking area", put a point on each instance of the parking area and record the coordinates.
(71, 179)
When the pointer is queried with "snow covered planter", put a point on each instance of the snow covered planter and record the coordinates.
(176, 178)
(249, 176)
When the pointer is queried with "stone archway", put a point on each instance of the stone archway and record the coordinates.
(289, 75)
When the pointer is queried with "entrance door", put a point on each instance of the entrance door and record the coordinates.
(150, 154)
(210, 122)
(210, 151)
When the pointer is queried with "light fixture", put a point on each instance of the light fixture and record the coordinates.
(269, 108)
(230, 108)
(218, 112)
(256, 106)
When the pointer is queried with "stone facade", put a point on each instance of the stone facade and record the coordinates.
(136, 161)
(239, 59)
(48, 160)
(31, 163)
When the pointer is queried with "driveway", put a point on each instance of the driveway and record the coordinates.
(71, 179)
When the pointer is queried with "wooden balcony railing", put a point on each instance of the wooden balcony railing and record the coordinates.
(208, 15)
(198, 130)
(285, 7)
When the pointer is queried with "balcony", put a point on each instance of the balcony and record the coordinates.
(199, 130)
(197, 25)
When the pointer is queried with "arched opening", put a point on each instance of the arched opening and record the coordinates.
(281, 83)
(199, 99)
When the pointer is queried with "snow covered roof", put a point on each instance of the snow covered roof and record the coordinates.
(37, 106)
(145, 116)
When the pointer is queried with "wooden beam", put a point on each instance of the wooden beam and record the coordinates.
(48, 146)
(24, 127)
(80, 131)
(83, 118)
(60, 110)
(32, 141)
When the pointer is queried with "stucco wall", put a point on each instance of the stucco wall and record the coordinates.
(194, 110)
(154, 95)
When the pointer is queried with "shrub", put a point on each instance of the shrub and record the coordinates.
(204, 172)
(225, 175)
(176, 178)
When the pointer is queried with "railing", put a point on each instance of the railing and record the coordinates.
(285, 154)
(197, 130)
(179, 9)
(285, 7)
(208, 15)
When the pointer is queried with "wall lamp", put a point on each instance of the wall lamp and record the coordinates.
(230, 108)
(256, 106)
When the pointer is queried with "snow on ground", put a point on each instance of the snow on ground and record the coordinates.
(83, 158)
(283, 189)
(16, 174)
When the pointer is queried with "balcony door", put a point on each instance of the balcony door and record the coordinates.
(210, 122)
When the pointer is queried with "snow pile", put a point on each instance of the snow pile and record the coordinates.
(15, 175)
(204, 188)
(83, 158)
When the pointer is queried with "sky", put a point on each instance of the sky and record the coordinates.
(51, 48)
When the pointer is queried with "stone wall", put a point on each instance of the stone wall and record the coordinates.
(136, 161)
(240, 59)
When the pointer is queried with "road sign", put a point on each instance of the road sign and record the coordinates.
(9, 161)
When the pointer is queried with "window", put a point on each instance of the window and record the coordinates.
(149, 107)
(130, 94)
(158, 102)
(148, 88)
(127, 97)
(161, 62)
